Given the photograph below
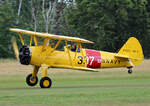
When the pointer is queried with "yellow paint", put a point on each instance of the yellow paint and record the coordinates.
(108, 60)
(45, 56)
(56, 58)
(20, 36)
(51, 36)
(35, 40)
(35, 71)
(130, 55)
(31, 40)
(70, 59)
(133, 49)
(68, 52)
(44, 70)
(46, 83)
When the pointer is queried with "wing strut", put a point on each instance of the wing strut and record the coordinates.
(84, 62)
(78, 44)
(68, 53)
(56, 45)
(20, 36)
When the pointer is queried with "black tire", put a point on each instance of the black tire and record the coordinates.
(31, 82)
(130, 71)
(45, 82)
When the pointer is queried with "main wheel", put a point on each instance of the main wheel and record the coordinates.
(45, 82)
(130, 71)
(31, 81)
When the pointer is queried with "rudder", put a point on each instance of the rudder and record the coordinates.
(132, 48)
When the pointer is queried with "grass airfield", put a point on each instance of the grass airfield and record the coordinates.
(113, 87)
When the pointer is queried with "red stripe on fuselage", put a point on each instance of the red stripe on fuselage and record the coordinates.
(93, 58)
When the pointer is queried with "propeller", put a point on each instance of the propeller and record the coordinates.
(24, 54)
(15, 47)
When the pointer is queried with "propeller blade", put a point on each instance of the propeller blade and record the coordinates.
(15, 47)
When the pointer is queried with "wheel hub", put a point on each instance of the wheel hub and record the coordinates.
(32, 80)
(46, 83)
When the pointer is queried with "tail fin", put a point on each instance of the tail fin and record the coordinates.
(133, 51)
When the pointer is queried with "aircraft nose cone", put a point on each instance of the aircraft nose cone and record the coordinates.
(25, 55)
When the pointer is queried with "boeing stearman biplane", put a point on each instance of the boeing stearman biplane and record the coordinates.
(48, 55)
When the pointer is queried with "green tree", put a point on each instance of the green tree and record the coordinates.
(6, 20)
(110, 22)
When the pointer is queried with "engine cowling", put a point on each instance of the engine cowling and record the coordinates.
(25, 55)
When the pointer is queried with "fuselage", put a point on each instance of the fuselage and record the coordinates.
(68, 59)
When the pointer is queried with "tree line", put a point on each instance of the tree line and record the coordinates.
(109, 23)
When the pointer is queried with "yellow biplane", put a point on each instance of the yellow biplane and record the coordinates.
(49, 55)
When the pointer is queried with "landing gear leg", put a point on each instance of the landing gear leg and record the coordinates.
(45, 81)
(32, 79)
(130, 70)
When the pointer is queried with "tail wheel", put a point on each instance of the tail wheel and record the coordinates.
(45, 82)
(31, 81)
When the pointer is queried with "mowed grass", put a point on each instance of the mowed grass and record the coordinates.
(74, 88)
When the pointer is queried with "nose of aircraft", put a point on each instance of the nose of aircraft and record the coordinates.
(25, 55)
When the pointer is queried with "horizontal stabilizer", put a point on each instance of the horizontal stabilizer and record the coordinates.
(127, 57)
(121, 56)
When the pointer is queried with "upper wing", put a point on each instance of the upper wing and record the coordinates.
(52, 36)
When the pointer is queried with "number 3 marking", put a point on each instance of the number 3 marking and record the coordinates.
(88, 58)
